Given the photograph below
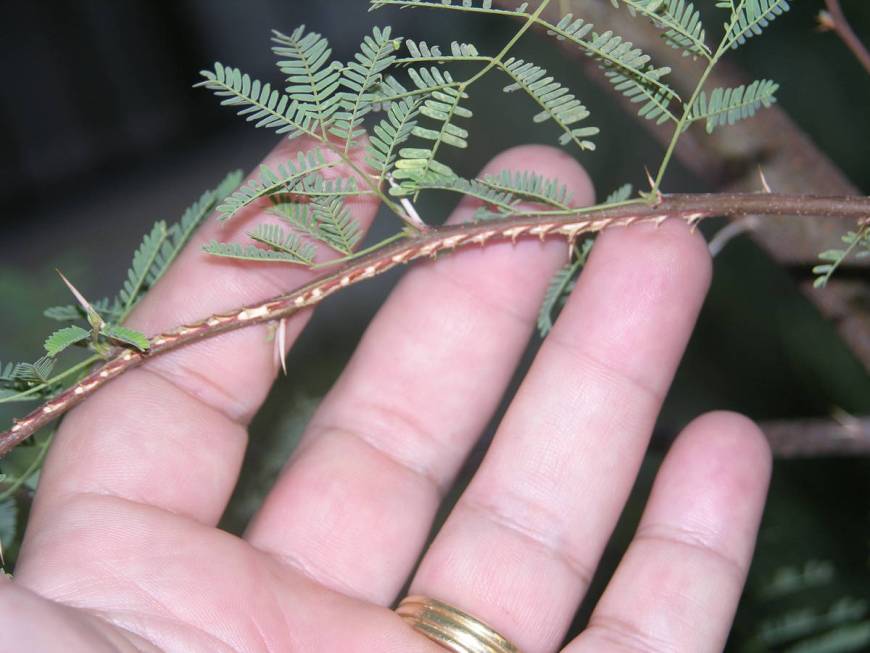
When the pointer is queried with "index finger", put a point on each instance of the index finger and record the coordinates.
(172, 434)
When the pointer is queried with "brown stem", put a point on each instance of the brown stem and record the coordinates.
(841, 26)
(818, 437)
(689, 208)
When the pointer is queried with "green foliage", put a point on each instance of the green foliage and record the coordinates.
(531, 186)
(335, 225)
(278, 241)
(253, 253)
(621, 194)
(556, 102)
(63, 338)
(441, 107)
(312, 77)
(283, 180)
(390, 133)
(123, 335)
(361, 77)
(857, 245)
(561, 286)
(728, 105)
(628, 68)
(259, 103)
(143, 260)
(680, 20)
(750, 17)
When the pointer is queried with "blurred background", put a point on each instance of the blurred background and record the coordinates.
(102, 134)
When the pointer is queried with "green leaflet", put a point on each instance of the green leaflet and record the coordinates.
(561, 286)
(312, 78)
(259, 102)
(253, 253)
(390, 133)
(63, 338)
(556, 102)
(143, 261)
(125, 336)
(531, 186)
(679, 19)
(278, 241)
(335, 225)
(750, 17)
(38, 372)
(728, 105)
(283, 179)
(621, 194)
(857, 245)
(361, 77)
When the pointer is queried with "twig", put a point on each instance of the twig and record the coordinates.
(689, 208)
(818, 437)
(835, 20)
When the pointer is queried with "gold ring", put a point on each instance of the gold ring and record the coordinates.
(452, 628)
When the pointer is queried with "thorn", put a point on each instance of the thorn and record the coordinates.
(764, 183)
(411, 212)
(93, 317)
(281, 344)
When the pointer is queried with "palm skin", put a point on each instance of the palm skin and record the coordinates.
(122, 552)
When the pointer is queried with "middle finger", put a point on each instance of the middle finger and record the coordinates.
(520, 547)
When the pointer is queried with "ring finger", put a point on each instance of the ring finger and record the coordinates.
(524, 539)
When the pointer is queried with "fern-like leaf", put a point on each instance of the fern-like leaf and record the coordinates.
(531, 186)
(751, 17)
(390, 133)
(284, 179)
(556, 102)
(497, 203)
(312, 78)
(253, 253)
(179, 233)
(63, 338)
(679, 19)
(442, 107)
(259, 102)
(728, 105)
(278, 241)
(335, 224)
(125, 336)
(361, 77)
(35, 373)
(143, 261)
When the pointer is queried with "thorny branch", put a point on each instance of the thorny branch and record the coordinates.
(688, 208)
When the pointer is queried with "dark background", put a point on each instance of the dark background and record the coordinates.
(102, 135)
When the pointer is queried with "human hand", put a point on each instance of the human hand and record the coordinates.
(122, 552)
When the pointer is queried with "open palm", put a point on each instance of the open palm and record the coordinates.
(122, 552)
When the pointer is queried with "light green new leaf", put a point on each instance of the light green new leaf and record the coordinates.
(63, 338)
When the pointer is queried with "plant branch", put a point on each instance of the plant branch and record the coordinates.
(688, 208)
(836, 20)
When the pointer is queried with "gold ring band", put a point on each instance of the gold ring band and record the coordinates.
(452, 628)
